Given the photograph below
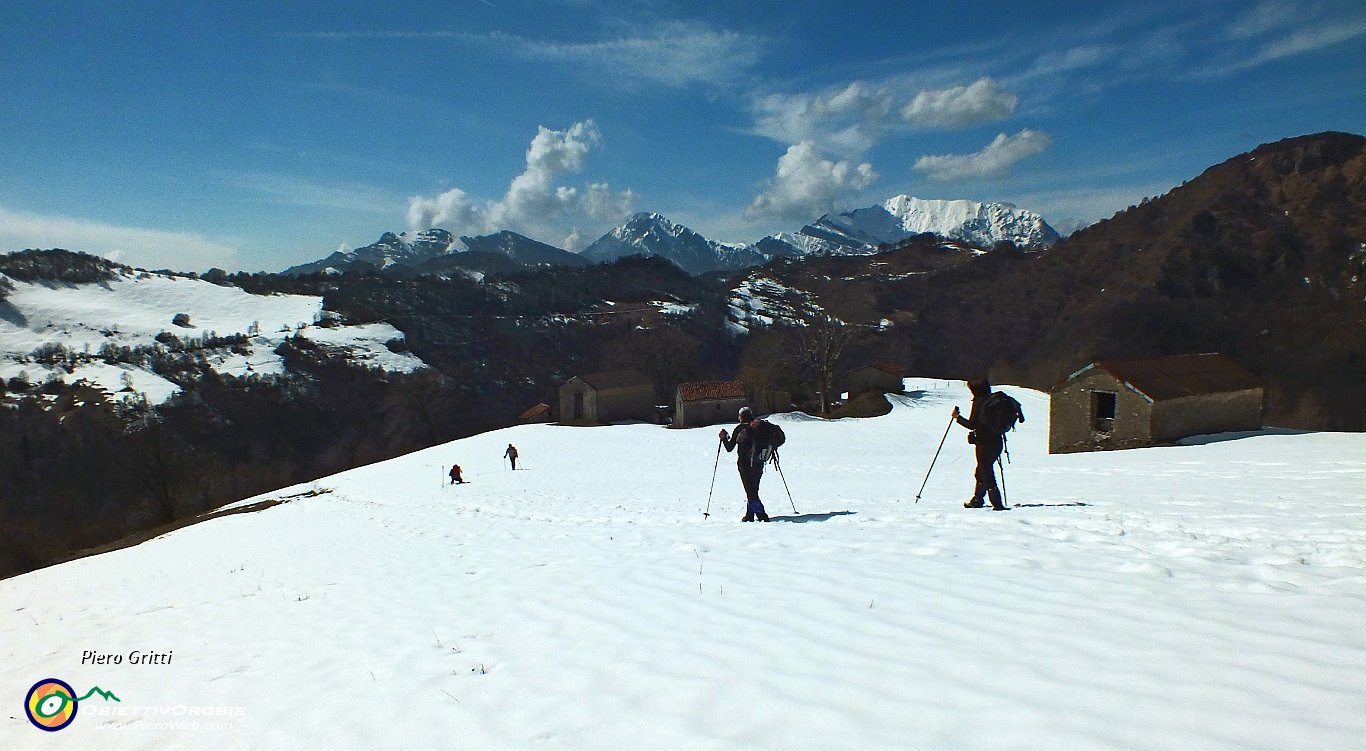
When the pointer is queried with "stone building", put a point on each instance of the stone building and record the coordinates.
(881, 377)
(708, 403)
(1120, 404)
(600, 398)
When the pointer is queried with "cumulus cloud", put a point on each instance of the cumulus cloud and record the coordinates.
(533, 205)
(960, 106)
(851, 119)
(807, 185)
(848, 120)
(993, 161)
(135, 246)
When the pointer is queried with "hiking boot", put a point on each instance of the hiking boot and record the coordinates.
(747, 518)
(763, 517)
(999, 507)
(974, 504)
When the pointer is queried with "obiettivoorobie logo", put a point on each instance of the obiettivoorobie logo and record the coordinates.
(51, 703)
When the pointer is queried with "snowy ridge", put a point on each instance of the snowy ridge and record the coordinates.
(391, 249)
(132, 309)
(651, 234)
(1204, 596)
(865, 231)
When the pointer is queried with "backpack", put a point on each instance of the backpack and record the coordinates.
(767, 438)
(1000, 413)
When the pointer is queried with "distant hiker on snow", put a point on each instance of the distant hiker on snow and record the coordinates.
(511, 455)
(757, 440)
(993, 413)
(455, 475)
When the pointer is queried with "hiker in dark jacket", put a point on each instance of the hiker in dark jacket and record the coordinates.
(988, 444)
(455, 475)
(750, 464)
(511, 455)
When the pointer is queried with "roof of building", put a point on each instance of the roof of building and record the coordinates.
(703, 390)
(616, 379)
(535, 412)
(1177, 376)
(886, 366)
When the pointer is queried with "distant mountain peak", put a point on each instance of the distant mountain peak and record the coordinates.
(900, 217)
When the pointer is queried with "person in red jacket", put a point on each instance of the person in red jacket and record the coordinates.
(455, 475)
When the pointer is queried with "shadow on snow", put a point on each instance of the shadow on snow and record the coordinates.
(803, 518)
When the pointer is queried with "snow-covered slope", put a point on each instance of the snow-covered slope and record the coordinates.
(1207, 596)
(93, 321)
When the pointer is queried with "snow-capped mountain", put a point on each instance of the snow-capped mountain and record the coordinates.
(650, 234)
(522, 249)
(858, 232)
(402, 249)
(437, 250)
(862, 231)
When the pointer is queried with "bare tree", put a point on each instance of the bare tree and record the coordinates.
(663, 353)
(818, 349)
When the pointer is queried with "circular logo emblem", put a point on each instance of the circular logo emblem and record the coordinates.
(50, 704)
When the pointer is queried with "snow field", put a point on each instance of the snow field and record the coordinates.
(1207, 596)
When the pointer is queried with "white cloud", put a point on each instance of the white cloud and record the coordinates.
(669, 53)
(533, 205)
(808, 185)
(1305, 40)
(293, 191)
(848, 120)
(960, 106)
(993, 161)
(135, 246)
(851, 119)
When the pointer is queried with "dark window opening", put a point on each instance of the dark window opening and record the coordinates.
(1103, 411)
(578, 406)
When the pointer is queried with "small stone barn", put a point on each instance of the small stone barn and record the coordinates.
(607, 397)
(881, 377)
(708, 403)
(1120, 404)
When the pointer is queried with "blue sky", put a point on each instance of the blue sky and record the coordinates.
(261, 135)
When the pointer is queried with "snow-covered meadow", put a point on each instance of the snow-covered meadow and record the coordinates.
(134, 307)
(1207, 596)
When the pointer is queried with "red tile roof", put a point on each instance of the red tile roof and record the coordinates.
(700, 390)
(537, 411)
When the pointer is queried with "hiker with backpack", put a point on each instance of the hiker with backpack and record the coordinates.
(756, 441)
(993, 413)
(455, 475)
(511, 455)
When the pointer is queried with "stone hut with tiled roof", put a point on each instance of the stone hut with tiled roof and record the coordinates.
(881, 377)
(599, 398)
(708, 403)
(1120, 404)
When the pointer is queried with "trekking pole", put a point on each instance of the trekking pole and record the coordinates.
(1005, 500)
(777, 464)
(714, 465)
(935, 459)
